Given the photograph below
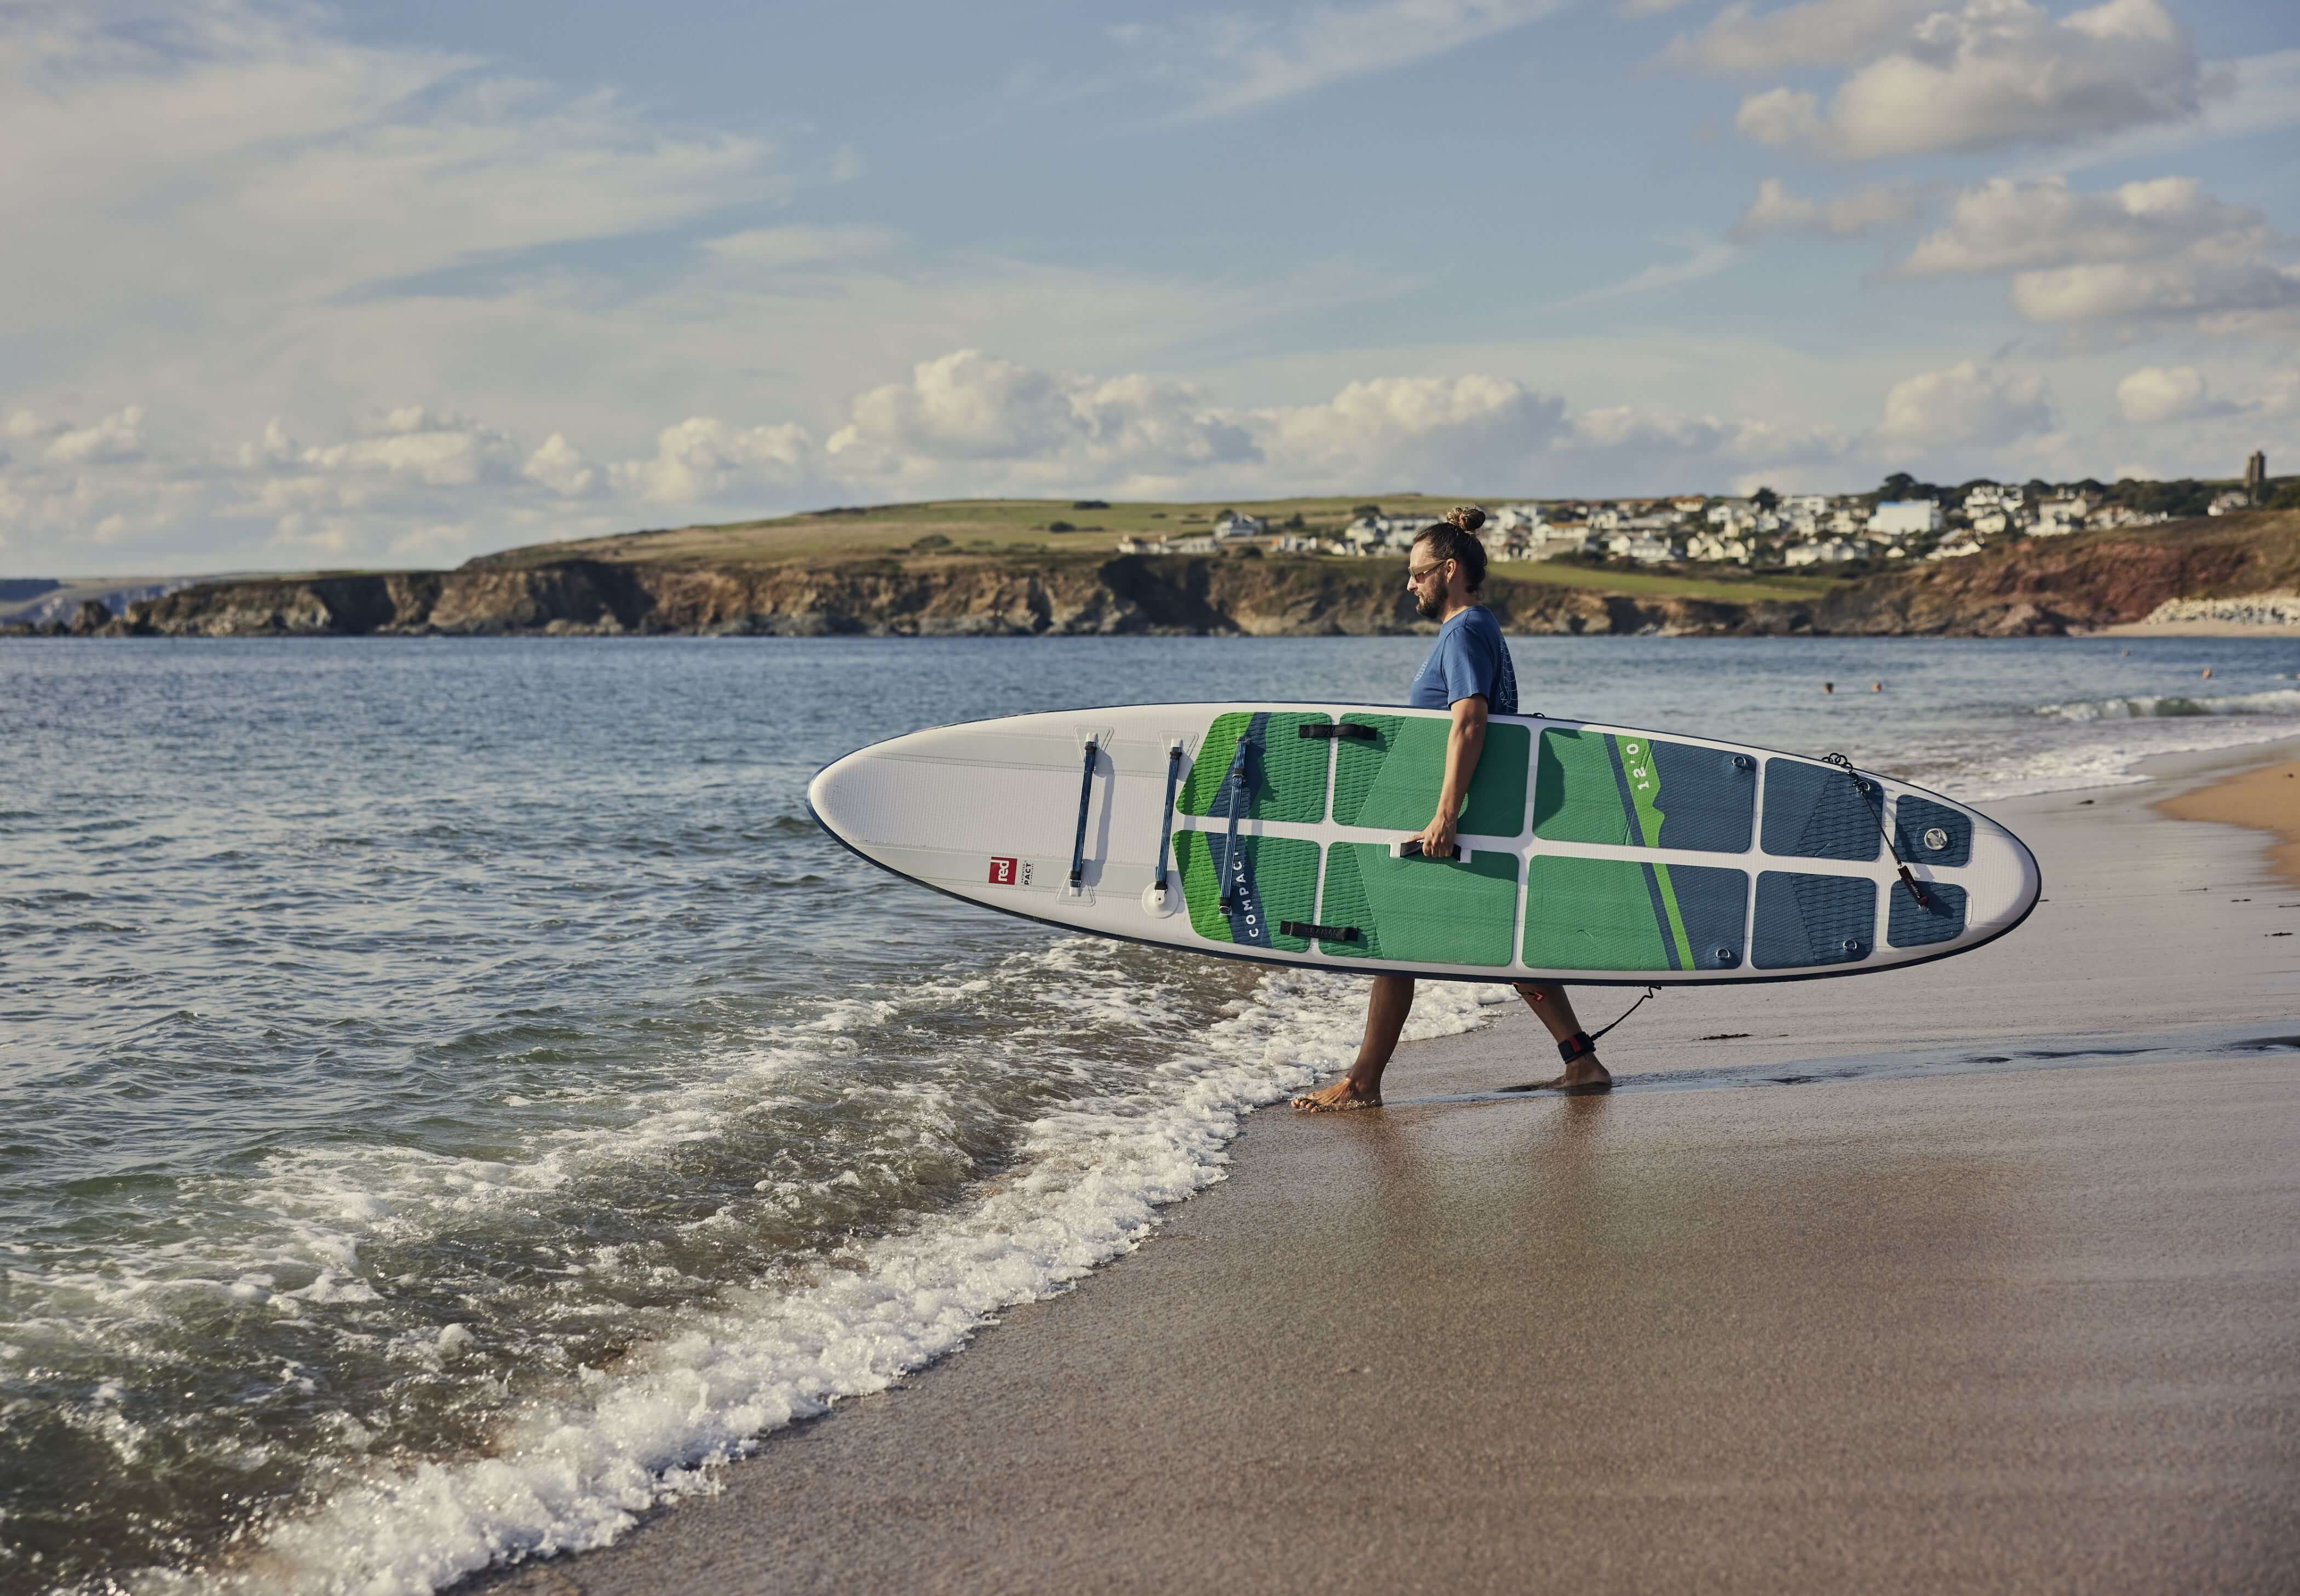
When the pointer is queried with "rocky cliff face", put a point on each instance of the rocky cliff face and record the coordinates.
(2047, 586)
(944, 597)
(2032, 588)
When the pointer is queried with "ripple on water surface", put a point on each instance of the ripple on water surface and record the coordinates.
(453, 1091)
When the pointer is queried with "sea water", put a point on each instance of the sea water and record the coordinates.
(451, 1095)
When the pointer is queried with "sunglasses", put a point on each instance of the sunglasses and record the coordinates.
(1412, 574)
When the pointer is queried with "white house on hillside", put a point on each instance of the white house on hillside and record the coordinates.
(1236, 525)
(1837, 550)
(1901, 518)
(2057, 518)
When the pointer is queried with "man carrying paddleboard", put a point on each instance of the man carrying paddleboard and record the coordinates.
(1468, 671)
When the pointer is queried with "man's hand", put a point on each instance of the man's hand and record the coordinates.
(1464, 743)
(1438, 836)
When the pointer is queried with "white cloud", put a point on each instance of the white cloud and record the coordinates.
(705, 459)
(2154, 394)
(1997, 72)
(1965, 403)
(1679, 450)
(1018, 424)
(1818, 33)
(988, 425)
(561, 467)
(427, 484)
(2005, 224)
(1234, 61)
(2255, 297)
(168, 141)
(115, 438)
(1409, 430)
(2158, 250)
(1776, 210)
(420, 447)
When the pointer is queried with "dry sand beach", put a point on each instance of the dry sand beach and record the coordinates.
(1983, 1275)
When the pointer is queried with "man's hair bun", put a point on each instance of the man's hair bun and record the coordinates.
(1456, 538)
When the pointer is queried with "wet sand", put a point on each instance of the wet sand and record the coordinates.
(1910, 1283)
(2266, 800)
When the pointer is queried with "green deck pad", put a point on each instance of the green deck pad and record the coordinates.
(1286, 771)
(1393, 782)
(1578, 795)
(1420, 910)
(1629, 914)
(1629, 791)
(1277, 881)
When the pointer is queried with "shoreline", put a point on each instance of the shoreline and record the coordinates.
(2257, 799)
(1981, 1321)
(2190, 628)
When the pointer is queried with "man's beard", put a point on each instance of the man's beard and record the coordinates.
(1431, 605)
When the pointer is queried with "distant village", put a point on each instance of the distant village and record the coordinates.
(1765, 531)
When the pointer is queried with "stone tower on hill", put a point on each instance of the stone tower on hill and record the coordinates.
(2255, 476)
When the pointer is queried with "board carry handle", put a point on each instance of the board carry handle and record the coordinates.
(1166, 827)
(1236, 778)
(1347, 728)
(1086, 797)
(1411, 849)
(1318, 933)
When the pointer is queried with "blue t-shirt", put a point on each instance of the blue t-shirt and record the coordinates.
(1470, 658)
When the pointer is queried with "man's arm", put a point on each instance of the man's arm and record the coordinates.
(1464, 744)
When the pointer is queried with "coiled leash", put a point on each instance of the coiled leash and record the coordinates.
(1866, 788)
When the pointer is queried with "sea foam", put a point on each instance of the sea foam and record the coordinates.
(573, 1472)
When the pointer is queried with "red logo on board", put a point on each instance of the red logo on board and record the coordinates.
(1002, 872)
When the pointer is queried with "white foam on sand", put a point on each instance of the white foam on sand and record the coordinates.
(573, 1472)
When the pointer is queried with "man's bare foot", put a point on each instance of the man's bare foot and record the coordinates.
(1340, 1097)
(1584, 1077)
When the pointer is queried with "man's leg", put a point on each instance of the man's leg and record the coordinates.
(1548, 1000)
(1386, 1007)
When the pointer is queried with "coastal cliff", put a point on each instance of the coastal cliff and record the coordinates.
(928, 596)
(2034, 586)
(2044, 587)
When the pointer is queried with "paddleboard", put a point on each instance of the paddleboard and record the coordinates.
(1281, 833)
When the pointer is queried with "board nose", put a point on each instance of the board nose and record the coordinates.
(832, 797)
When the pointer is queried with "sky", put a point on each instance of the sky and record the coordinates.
(290, 286)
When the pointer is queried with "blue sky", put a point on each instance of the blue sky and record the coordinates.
(395, 284)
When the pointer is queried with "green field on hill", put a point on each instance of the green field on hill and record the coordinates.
(946, 528)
